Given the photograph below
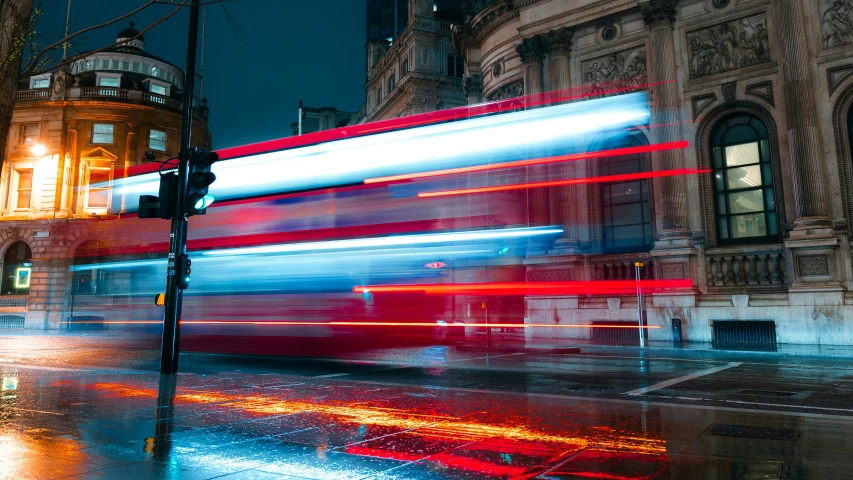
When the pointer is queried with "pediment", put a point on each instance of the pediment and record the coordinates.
(98, 153)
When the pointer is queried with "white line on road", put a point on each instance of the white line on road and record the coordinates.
(668, 383)
(416, 365)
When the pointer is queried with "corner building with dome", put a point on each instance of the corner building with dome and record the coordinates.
(73, 133)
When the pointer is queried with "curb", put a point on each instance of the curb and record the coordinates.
(528, 350)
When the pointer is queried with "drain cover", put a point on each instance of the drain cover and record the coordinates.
(760, 433)
(591, 389)
(769, 393)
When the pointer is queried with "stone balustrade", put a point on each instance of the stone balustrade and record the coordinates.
(104, 93)
(620, 268)
(747, 268)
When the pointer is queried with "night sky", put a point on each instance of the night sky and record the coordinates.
(312, 49)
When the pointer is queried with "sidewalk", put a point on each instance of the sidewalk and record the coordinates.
(508, 343)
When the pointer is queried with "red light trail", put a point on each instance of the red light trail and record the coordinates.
(369, 324)
(536, 161)
(596, 287)
(560, 183)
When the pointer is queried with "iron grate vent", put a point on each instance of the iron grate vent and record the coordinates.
(760, 433)
(591, 388)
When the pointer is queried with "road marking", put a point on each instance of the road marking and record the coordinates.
(669, 383)
(397, 366)
(741, 402)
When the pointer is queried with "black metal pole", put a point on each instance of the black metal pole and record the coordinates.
(178, 239)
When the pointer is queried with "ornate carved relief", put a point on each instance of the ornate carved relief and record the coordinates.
(658, 13)
(813, 265)
(729, 91)
(624, 70)
(835, 76)
(531, 50)
(672, 271)
(842, 147)
(762, 90)
(510, 90)
(836, 24)
(702, 102)
(559, 42)
(473, 85)
(728, 46)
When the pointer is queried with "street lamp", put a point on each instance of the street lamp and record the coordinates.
(39, 150)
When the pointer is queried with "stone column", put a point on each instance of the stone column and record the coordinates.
(473, 87)
(806, 163)
(813, 259)
(532, 53)
(659, 16)
(565, 205)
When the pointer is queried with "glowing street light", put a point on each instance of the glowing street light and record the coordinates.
(39, 150)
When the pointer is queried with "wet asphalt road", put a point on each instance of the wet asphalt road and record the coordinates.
(85, 405)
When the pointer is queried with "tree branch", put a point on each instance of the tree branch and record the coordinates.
(32, 64)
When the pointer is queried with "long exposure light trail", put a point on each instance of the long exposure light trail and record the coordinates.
(405, 324)
(464, 143)
(536, 161)
(348, 244)
(530, 288)
(560, 183)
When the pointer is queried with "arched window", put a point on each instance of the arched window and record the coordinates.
(625, 211)
(17, 269)
(87, 278)
(744, 195)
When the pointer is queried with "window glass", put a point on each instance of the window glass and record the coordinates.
(108, 82)
(30, 134)
(158, 89)
(99, 188)
(743, 181)
(125, 65)
(135, 66)
(157, 140)
(103, 133)
(626, 218)
(17, 267)
(115, 65)
(25, 188)
(41, 83)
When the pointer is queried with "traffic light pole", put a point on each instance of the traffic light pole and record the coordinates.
(178, 239)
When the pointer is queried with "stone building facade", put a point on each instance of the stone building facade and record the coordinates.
(74, 133)
(417, 71)
(761, 89)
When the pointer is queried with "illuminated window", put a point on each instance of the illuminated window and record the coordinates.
(158, 89)
(29, 133)
(744, 194)
(108, 81)
(625, 212)
(99, 188)
(157, 140)
(25, 188)
(103, 133)
(40, 83)
(17, 269)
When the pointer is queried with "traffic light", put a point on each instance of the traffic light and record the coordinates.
(162, 206)
(183, 270)
(199, 179)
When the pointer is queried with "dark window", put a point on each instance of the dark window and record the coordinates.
(625, 213)
(744, 194)
(386, 19)
(88, 280)
(17, 269)
(455, 66)
(392, 82)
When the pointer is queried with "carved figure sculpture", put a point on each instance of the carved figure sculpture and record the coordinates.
(836, 25)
